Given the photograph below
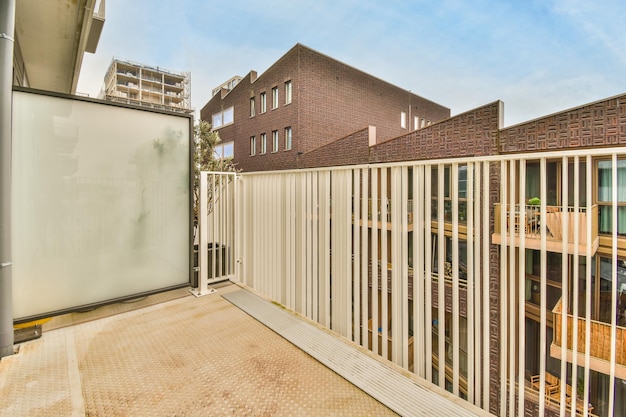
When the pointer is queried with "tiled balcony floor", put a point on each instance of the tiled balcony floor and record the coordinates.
(183, 357)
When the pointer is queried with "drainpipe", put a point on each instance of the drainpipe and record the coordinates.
(7, 33)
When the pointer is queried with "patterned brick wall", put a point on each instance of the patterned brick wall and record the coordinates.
(350, 150)
(494, 296)
(473, 133)
(598, 124)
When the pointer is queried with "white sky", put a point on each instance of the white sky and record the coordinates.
(538, 57)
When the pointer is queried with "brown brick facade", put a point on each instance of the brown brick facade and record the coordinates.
(330, 100)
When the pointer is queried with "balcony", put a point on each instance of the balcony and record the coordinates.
(554, 219)
(600, 353)
(232, 351)
(378, 216)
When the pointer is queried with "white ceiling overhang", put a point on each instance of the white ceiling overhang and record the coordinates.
(53, 36)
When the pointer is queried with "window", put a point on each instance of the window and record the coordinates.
(274, 97)
(461, 190)
(263, 143)
(224, 150)
(275, 141)
(288, 92)
(252, 107)
(263, 102)
(223, 118)
(416, 122)
(287, 138)
(605, 195)
(252, 146)
(403, 119)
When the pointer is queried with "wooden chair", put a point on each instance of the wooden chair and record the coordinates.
(552, 383)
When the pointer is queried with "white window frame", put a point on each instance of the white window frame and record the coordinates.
(252, 145)
(223, 118)
(274, 97)
(263, 102)
(288, 138)
(252, 107)
(274, 141)
(403, 119)
(224, 150)
(288, 92)
(263, 143)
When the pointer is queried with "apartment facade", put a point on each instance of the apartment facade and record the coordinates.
(144, 85)
(488, 260)
(307, 100)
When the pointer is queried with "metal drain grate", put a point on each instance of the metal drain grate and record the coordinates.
(399, 393)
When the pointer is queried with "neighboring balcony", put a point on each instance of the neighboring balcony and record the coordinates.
(600, 347)
(379, 218)
(530, 226)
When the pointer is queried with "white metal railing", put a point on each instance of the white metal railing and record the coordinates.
(216, 229)
(288, 221)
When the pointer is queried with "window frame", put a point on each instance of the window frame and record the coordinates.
(220, 148)
(252, 145)
(274, 141)
(263, 143)
(274, 97)
(288, 92)
(606, 205)
(263, 102)
(220, 115)
(252, 107)
(288, 138)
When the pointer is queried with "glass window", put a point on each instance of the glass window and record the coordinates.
(287, 138)
(263, 102)
(263, 143)
(416, 122)
(274, 97)
(275, 141)
(229, 115)
(461, 190)
(605, 196)
(224, 150)
(223, 118)
(403, 119)
(252, 146)
(217, 120)
(288, 92)
(252, 107)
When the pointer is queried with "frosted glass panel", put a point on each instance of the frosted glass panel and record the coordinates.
(100, 202)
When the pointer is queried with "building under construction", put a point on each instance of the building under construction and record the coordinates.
(134, 83)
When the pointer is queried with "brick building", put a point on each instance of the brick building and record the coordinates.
(548, 335)
(305, 101)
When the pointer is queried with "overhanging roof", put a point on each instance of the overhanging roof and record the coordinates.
(53, 36)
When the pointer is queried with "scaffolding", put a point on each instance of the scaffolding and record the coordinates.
(144, 85)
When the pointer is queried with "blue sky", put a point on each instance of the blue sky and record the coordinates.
(538, 57)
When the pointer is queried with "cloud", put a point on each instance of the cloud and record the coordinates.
(462, 55)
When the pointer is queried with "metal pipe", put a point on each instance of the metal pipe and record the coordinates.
(7, 32)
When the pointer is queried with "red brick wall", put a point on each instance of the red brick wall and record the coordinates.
(331, 100)
(594, 125)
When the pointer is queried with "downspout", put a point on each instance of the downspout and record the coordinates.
(7, 33)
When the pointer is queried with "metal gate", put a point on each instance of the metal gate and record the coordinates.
(216, 229)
